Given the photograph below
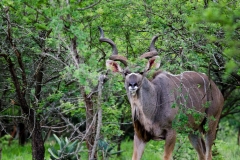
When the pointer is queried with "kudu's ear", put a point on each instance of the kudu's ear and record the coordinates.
(153, 62)
(113, 66)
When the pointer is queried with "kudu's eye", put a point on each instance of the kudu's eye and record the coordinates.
(127, 72)
(141, 73)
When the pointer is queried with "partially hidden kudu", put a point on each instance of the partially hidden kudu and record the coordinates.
(155, 103)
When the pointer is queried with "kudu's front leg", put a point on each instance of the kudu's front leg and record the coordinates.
(138, 148)
(169, 144)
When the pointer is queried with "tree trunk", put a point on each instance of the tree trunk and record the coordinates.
(99, 119)
(34, 124)
(90, 123)
(38, 149)
(22, 134)
(90, 120)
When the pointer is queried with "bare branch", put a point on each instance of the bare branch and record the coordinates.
(99, 112)
(90, 6)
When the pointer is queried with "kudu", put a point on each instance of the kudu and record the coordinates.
(155, 103)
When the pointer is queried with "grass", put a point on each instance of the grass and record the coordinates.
(153, 150)
(225, 148)
(226, 143)
(17, 152)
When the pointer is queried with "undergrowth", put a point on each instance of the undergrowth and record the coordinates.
(225, 147)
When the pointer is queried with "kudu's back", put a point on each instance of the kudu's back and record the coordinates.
(192, 94)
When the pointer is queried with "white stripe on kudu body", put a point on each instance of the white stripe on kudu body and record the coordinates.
(155, 103)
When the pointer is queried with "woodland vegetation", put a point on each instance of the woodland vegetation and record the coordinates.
(53, 77)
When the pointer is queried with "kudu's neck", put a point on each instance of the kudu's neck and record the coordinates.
(145, 99)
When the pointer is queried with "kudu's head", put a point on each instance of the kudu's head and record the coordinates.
(135, 74)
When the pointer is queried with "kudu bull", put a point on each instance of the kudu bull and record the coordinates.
(155, 103)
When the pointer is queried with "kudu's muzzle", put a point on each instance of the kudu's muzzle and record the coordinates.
(133, 83)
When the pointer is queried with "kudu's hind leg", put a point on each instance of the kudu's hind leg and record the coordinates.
(210, 137)
(169, 144)
(138, 148)
(199, 145)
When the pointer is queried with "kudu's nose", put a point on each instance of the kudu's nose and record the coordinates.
(132, 87)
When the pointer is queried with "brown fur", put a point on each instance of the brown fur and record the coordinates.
(141, 132)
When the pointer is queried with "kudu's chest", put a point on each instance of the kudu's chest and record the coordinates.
(144, 124)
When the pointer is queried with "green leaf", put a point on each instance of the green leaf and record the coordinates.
(53, 153)
(66, 140)
(72, 147)
(57, 139)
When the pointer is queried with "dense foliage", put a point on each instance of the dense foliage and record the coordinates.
(51, 60)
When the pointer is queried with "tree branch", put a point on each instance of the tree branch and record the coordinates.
(17, 53)
(90, 6)
(99, 103)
